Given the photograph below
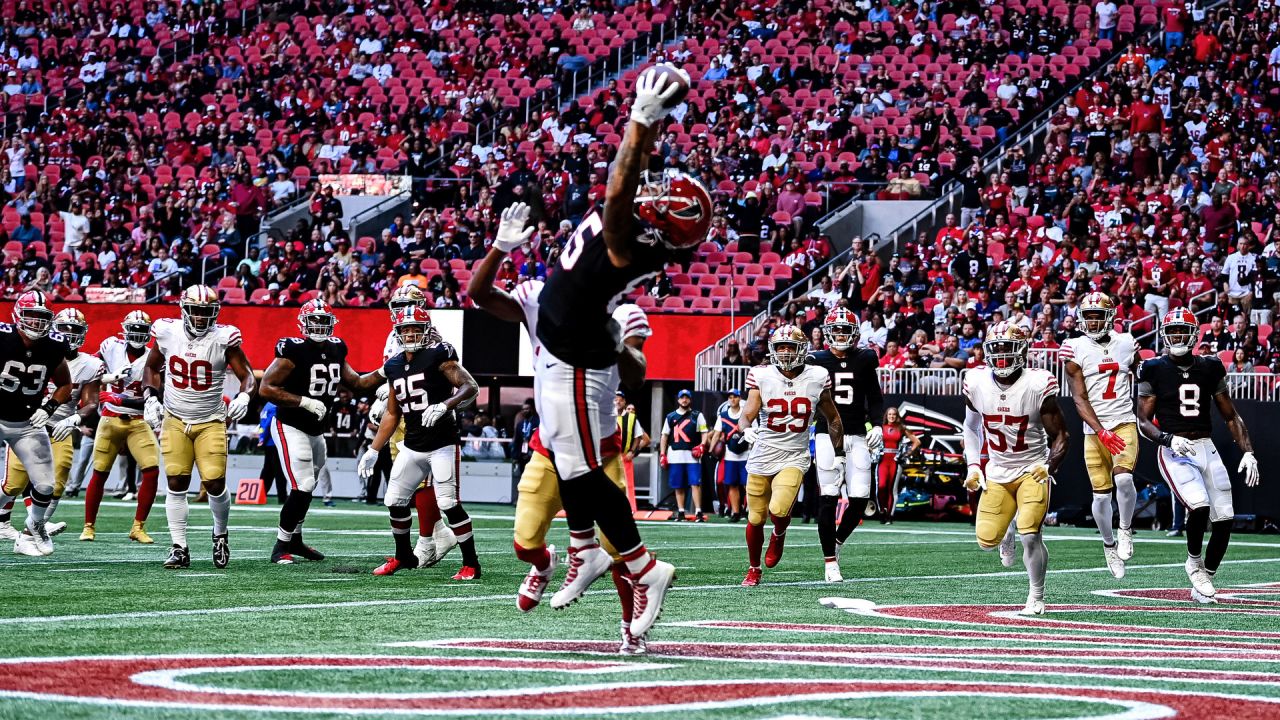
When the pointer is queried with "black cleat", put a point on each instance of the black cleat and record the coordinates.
(221, 551)
(304, 551)
(179, 558)
(700, 517)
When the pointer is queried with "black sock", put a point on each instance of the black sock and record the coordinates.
(595, 496)
(401, 522)
(1197, 522)
(827, 525)
(852, 516)
(1218, 544)
(460, 523)
(294, 512)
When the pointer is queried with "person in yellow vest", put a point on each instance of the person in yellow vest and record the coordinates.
(634, 439)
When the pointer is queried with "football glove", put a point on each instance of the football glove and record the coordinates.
(750, 434)
(975, 480)
(376, 411)
(512, 230)
(238, 407)
(383, 392)
(1182, 447)
(433, 413)
(698, 451)
(1112, 442)
(63, 429)
(1040, 474)
(313, 406)
(875, 439)
(113, 378)
(39, 418)
(153, 412)
(663, 461)
(652, 93)
(1249, 466)
(369, 459)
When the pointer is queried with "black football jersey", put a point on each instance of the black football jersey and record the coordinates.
(418, 383)
(855, 388)
(344, 418)
(26, 370)
(317, 371)
(1183, 393)
(575, 309)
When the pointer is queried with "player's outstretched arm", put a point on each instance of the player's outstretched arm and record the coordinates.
(387, 427)
(835, 426)
(1055, 425)
(1235, 423)
(239, 364)
(357, 382)
(495, 301)
(464, 386)
(1080, 395)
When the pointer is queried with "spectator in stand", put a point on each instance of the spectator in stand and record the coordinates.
(1217, 338)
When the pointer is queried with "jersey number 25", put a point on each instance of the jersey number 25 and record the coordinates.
(410, 393)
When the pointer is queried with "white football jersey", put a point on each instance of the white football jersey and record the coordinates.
(787, 406)
(195, 369)
(114, 352)
(392, 347)
(84, 369)
(1108, 376)
(1014, 435)
(526, 293)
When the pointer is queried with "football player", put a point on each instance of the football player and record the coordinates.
(193, 355)
(303, 383)
(1100, 367)
(123, 428)
(538, 493)
(645, 220)
(32, 358)
(85, 372)
(427, 385)
(787, 391)
(1175, 391)
(855, 388)
(1015, 409)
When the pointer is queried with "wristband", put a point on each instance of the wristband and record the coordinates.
(50, 405)
(1165, 439)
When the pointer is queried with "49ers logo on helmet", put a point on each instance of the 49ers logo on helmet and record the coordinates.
(675, 206)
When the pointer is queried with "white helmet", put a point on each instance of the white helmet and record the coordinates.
(786, 348)
(200, 307)
(1097, 315)
(1005, 348)
(72, 325)
(137, 329)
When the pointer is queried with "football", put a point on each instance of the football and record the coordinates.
(674, 76)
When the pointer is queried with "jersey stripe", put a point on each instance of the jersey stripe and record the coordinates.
(584, 425)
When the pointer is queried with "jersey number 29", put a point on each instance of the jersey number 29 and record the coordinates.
(788, 416)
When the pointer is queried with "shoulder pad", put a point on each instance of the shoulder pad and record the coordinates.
(229, 334)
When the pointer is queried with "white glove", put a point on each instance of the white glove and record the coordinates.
(377, 410)
(153, 412)
(875, 439)
(838, 468)
(1249, 466)
(383, 392)
(652, 93)
(512, 230)
(1182, 447)
(113, 378)
(313, 406)
(433, 413)
(63, 429)
(365, 467)
(39, 418)
(750, 435)
(238, 408)
(975, 480)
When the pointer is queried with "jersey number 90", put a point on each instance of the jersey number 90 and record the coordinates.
(194, 375)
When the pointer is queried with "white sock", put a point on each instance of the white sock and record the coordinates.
(53, 505)
(1102, 517)
(1035, 556)
(220, 508)
(175, 509)
(1126, 499)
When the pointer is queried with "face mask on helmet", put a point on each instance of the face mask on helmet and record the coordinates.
(318, 326)
(413, 335)
(786, 355)
(398, 304)
(1178, 337)
(137, 334)
(199, 319)
(673, 209)
(34, 322)
(73, 333)
(1005, 357)
(840, 335)
(1095, 323)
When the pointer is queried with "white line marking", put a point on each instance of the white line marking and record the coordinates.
(200, 575)
(76, 570)
(339, 579)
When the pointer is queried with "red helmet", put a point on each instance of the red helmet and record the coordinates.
(674, 206)
(316, 320)
(841, 329)
(32, 315)
(413, 327)
(1178, 329)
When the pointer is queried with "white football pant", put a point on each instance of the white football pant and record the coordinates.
(1200, 480)
(412, 466)
(857, 466)
(576, 408)
(302, 456)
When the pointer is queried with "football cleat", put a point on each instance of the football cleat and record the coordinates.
(425, 551)
(774, 553)
(88, 534)
(1008, 550)
(1196, 596)
(535, 583)
(1173, 533)
(40, 532)
(700, 517)
(1034, 607)
(305, 551)
(8, 531)
(833, 572)
(387, 568)
(280, 556)
(179, 558)
(1201, 581)
(26, 545)
(1124, 543)
(444, 539)
(586, 565)
(753, 577)
(1114, 563)
(55, 528)
(129, 497)
(650, 590)
(467, 573)
(677, 516)
(137, 533)
(221, 551)
(631, 644)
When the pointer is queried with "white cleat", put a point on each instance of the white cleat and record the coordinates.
(632, 645)
(833, 572)
(650, 590)
(1124, 544)
(444, 539)
(1034, 607)
(1201, 581)
(1008, 551)
(1203, 599)
(55, 528)
(535, 584)
(585, 567)
(425, 550)
(26, 545)
(41, 534)
(8, 531)
(1114, 563)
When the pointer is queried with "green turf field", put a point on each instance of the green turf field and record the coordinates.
(923, 627)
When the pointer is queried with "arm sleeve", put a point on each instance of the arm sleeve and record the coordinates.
(1145, 389)
(972, 436)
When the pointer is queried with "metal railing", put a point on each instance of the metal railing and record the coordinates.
(1153, 337)
(1253, 386)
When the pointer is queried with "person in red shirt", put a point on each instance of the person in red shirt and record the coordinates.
(950, 229)
(1158, 277)
(1206, 46)
(1193, 283)
(1046, 341)
(1175, 23)
(894, 356)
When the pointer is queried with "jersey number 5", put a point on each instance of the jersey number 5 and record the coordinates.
(842, 392)
(324, 380)
(792, 416)
(591, 227)
(996, 437)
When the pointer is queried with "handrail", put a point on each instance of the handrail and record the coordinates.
(1154, 332)
(377, 208)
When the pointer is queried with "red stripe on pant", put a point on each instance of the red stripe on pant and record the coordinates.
(1168, 477)
(284, 445)
(580, 412)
